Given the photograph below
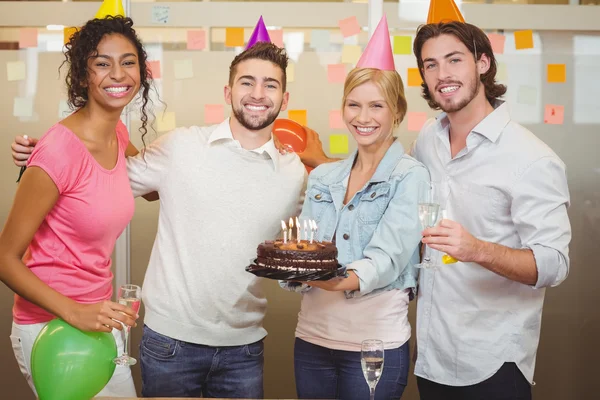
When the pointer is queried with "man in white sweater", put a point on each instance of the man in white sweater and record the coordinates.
(223, 189)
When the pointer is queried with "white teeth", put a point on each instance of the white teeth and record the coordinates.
(365, 130)
(449, 89)
(256, 108)
(120, 89)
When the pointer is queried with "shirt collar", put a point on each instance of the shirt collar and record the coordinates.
(490, 127)
(223, 134)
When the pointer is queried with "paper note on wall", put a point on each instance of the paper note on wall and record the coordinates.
(416, 120)
(351, 54)
(336, 73)
(165, 121)
(557, 73)
(28, 37)
(497, 40)
(214, 113)
(15, 71)
(290, 73)
(160, 14)
(276, 36)
(554, 114)
(338, 144)
(67, 32)
(501, 74)
(335, 119)
(349, 26)
(23, 107)
(527, 95)
(414, 77)
(184, 69)
(196, 39)
(523, 39)
(154, 67)
(319, 39)
(402, 45)
(234, 37)
(298, 116)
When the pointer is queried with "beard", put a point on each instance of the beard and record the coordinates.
(253, 123)
(452, 107)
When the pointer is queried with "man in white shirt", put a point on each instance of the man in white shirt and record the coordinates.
(505, 194)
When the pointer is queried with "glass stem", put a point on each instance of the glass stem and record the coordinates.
(126, 345)
(372, 397)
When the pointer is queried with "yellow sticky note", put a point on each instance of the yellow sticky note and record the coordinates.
(290, 72)
(557, 73)
(414, 77)
(298, 115)
(15, 70)
(351, 54)
(184, 69)
(234, 37)
(165, 121)
(524, 40)
(501, 74)
(338, 144)
(67, 32)
(402, 45)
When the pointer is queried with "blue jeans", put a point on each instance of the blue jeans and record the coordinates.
(173, 368)
(323, 373)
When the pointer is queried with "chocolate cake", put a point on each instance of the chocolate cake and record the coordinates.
(297, 256)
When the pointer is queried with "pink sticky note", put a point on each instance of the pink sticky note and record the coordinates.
(335, 120)
(28, 38)
(336, 73)
(276, 36)
(154, 67)
(349, 26)
(196, 40)
(554, 114)
(416, 120)
(214, 113)
(497, 41)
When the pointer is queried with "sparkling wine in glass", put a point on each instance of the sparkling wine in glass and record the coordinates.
(371, 358)
(429, 211)
(129, 296)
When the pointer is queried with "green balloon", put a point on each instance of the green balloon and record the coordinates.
(69, 364)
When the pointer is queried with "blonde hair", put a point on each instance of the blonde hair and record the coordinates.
(389, 83)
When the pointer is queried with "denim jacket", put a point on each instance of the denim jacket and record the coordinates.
(377, 232)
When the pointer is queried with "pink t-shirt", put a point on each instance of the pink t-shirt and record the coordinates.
(71, 251)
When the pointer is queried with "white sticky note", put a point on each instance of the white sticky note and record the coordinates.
(527, 95)
(184, 69)
(165, 121)
(63, 109)
(160, 14)
(15, 70)
(23, 107)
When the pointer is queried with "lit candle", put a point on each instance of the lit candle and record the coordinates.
(291, 225)
(316, 228)
(312, 229)
(298, 237)
(284, 231)
(305, 230)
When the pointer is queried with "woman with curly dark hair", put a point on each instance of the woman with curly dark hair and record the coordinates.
(74, 199)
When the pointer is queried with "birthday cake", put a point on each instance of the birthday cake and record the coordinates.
(297, 255)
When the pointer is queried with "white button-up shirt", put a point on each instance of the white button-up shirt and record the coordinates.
(507, 187)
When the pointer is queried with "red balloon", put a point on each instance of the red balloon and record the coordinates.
(292, 134)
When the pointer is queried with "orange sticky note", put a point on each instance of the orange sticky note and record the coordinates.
(154, 67)
(557, 73)
(338, 144)
(298, 115)
(349, 26)
(196, 39)
(554, 114)
(28, 38)
(336, 73)
(414, 77)
(497, 40)
(234, 37)
(276, 36)
(416, 120)
(524, 40)
(214, 113)
(335, 119)
(67, 32)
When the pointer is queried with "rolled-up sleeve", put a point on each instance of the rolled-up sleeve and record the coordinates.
(540, 199)
(395, 239)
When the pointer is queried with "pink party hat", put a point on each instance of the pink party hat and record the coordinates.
(378, 53)
(259, 34)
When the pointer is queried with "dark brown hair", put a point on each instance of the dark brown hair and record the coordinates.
(83, 44)
(261, 51)
(475, 40)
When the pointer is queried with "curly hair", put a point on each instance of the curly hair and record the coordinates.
(265, 51)
(475, 40)
(83, 45)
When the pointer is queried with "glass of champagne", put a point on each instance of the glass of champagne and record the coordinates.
(429, 210)
(371, 358)
(130, 296)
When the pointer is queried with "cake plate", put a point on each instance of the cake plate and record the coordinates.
(295, 275)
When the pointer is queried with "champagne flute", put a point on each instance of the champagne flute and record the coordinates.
(130, 296)
(371, 359)
(429, 210)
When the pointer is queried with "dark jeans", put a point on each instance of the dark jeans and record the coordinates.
(172, 368)
(506, 384)
(322, 373)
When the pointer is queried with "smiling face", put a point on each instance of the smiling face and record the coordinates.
(451, 74)
(113, 73)
(367, 115)
(256, 93)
